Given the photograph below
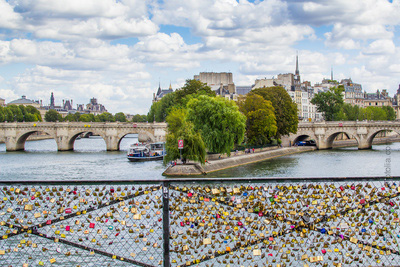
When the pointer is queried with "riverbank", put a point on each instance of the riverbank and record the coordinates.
(213, 165)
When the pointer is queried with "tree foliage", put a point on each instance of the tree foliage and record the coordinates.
(139, 118)
(329, 102)
(285, 109)
(104, 117)
(261, 121)
(181, 129)
(120, 116)
(52, 116)
(19, 113)
(219, 122)
(353, 113)
(87, 118)
(192, 87)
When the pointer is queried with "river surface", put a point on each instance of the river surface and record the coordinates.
(91, 161)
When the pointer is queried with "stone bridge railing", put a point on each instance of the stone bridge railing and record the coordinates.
(236, 222)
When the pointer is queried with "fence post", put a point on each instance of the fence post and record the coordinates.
(166, 258)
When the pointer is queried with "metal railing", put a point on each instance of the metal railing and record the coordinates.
(208, 222)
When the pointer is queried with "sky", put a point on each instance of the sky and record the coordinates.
(119, 51)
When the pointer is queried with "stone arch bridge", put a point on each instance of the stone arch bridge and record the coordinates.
(65, 133)
(324, 133)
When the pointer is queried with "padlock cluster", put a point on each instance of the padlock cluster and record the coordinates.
(285, 224)
(81, 225)
(295, 223)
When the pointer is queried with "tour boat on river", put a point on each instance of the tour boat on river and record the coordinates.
(145, 152)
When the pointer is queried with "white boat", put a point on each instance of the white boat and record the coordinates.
(145, 152)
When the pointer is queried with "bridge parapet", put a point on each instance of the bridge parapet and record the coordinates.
(65, 133)
(213, 222)
(324, 133)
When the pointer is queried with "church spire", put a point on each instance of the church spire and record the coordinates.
(297, 64)
(52, 105)
(331, 73)
(159, 88)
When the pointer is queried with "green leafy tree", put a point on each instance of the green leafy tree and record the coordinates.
(8, 114)
(351, 112)
(52, 116)
(2, 114)
(192, 87)
(155, 113)
(35, 112)
(181, 129)
(87, 118)
(261, 121)
(219, 122)
(120, 116)
(329, 102)
(139, 118)
(390, 113)
(17, 113)
(105, 117)
(285, 109)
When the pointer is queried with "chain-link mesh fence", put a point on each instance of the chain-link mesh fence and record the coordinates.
(251, 222)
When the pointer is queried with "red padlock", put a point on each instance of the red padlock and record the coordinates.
(67, 228)
(91, 225)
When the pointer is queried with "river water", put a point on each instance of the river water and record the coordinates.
(91, 161)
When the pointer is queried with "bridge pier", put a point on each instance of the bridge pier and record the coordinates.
(13, 145)
(112, 143)
(64, 144)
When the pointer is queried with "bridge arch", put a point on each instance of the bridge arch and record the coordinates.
(19, 143)
(374, 133)
(69, 144)
(143, 136)
(330, 138)
(304, 137)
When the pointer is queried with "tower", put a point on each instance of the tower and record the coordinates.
(331, 73)
(52, 105)
(297, 72)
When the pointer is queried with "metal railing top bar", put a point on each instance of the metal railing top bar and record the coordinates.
(202, 180)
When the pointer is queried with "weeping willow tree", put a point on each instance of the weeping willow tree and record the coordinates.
(219, 122)
(181, 129)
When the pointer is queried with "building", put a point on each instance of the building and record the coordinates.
(244, 90)
(161, 92)
(63, 109)
(92, 108)
(378, 99)
(220, 82)
(26, 102)
(2, 102)
(396, 103)
(353, 93)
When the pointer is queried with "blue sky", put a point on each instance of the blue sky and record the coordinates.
(119, 51)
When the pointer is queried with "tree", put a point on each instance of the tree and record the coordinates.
(181, 129)
(120, 116)
(17, 113)
(52, 116)
(2, 114)
(36, 113)
(219, 122)
(105, 117)
(261, 121)
(390, 113)
(192, 87)
(329, 102)
(87, 118)
(285, 109)
(351, 112)
(154, 112)
(139, 118)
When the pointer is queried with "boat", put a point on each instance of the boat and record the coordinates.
(146, 152)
